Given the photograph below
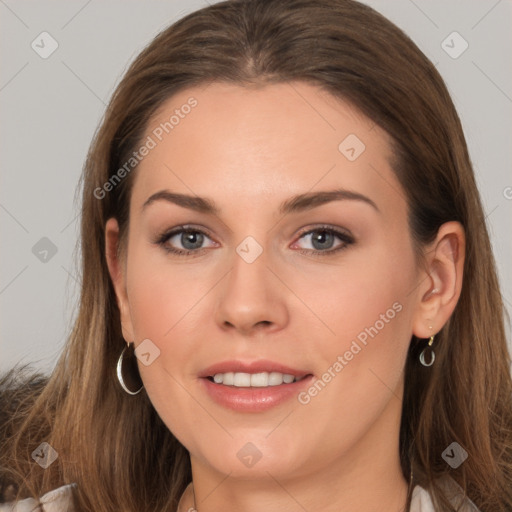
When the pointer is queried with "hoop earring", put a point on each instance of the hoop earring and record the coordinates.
(131, 360)
(428, 348)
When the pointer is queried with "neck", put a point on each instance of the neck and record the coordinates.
(365, 478)
(274, 496)
(373, 485)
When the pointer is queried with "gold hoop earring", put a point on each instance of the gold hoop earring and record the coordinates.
(129, 360)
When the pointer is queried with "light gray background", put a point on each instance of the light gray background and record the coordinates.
(51, 107)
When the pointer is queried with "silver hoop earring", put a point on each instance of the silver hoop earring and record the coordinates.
(131, 360)
(428, 348)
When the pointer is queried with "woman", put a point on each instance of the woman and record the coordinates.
(223, 356)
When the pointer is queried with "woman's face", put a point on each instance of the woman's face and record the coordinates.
(299, 263)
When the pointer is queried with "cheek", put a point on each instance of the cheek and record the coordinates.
(363, 360)
(162, 294)
(368, 311)
(162, 298)
(366, 298)
(167, 306)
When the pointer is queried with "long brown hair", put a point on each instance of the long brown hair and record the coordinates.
(114, 446)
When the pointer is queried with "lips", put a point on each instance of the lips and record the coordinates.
(253, 386)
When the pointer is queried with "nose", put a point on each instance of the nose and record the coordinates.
(252, 298)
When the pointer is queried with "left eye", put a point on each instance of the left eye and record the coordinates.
(323, 238)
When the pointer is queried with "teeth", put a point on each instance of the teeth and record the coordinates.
(241, 380)
(275, 378)
(219, 378)
(288, 379)
(255, 380)
(259, 380)
(227, 378)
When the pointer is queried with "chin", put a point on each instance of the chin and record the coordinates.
(257, 459)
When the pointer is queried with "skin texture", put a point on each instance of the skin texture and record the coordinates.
(249, 150)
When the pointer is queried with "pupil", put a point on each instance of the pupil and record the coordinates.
(191, 237)
(321, 238)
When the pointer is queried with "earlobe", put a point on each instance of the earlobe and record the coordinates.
(441, 281)
(117, 274)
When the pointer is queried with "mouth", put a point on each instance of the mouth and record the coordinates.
(253, 387)
(254, 380)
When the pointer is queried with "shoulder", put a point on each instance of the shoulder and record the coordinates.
(421, 500)
(57, 500)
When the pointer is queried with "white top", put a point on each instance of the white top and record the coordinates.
(422, 502)
(60, 500)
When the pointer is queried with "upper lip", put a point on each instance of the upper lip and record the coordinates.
(251, 367)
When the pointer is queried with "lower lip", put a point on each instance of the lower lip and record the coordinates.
(254, 399)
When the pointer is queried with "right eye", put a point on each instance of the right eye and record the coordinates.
(191, 239)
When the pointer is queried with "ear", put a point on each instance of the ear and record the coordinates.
(440, 281)
(117, 271)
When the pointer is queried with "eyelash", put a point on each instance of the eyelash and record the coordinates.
(343, 236)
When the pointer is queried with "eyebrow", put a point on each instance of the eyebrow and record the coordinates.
(301, 202)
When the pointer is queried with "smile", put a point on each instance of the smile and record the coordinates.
(255, 386)
(254, 380)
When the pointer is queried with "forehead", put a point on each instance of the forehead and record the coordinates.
(237, 143)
